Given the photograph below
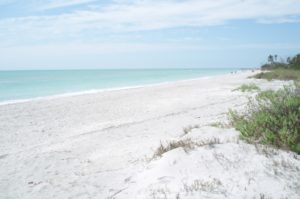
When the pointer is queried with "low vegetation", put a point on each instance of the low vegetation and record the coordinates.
(281, 70)
(247, 88)
(220, 125)
(279, 74)
(203, 186)
(273, 117)
(188, 129)
(186, 144)
(289, 63)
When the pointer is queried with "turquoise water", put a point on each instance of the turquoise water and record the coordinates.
(17, 85)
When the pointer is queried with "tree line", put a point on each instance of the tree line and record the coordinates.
(289, 63)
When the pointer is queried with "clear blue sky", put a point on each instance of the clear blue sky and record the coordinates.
(45, 34)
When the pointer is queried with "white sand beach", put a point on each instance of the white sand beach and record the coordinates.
(101, 145)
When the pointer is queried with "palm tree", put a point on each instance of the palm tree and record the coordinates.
(271, 59)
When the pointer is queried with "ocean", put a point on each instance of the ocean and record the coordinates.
(29, 84)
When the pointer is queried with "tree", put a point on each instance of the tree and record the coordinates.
(271, 59)
(295, 62)
(275, 57)
(296, 59)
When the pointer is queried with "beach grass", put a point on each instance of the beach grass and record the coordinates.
(186, 144)
(188, 129)
(247, 88)
(220, 125)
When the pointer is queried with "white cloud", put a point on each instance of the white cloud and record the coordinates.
(140, 15)
(82, 49)
(63, 3)
(280, 20)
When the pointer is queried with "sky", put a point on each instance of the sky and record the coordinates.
(87, 34)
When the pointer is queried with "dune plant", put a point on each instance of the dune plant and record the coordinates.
(186, 144)
(272, 117)
(247, 88)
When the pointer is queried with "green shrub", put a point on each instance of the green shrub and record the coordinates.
(247, 88)
(295, 62)
(273, 117)
(276, 65)
(280, 74)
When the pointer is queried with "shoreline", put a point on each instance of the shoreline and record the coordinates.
(96, 91)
